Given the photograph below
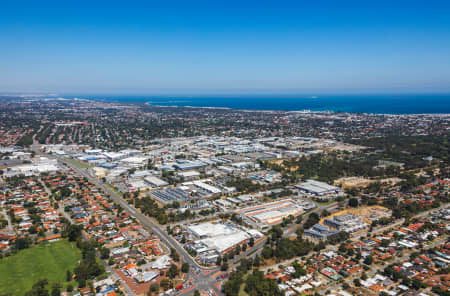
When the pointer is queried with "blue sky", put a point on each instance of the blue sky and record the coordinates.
(225, 46)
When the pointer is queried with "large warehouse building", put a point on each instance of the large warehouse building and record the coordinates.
(265, 215)
(213, 239)
(318, 188)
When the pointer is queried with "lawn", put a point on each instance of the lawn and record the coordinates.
(325, 203)
(47, 260)
(77, 163)
(112, 188)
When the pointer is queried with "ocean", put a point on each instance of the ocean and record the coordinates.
(380, 104)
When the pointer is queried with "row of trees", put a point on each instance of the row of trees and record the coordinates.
(40, 288)
(89, 267)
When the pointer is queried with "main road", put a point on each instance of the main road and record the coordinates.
(202, 279)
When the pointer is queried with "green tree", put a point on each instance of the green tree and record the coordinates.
(22, 243)
(25, 141)
(353, 202)
(154, 287)
(258, 285)
(104, 253)
(251, 242)
(219, 260)
(173, 271)
(224, 266)
(56, 290)
(164, 283)
(368, 260)
(38, 289)
(72, 232)
(185, 267)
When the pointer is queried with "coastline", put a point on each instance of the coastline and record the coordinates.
(415, 104)
(299, 111)
(357, 104)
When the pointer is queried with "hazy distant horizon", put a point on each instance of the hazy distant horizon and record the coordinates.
(231, 93)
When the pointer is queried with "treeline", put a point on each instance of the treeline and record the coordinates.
(25, 141)
(89, 267)
(408, 209)
(150, 208)
(243, 185)
(255, 282)
(44, 133)
(327, 168)
(410, 149)
(283, 248)
(40, 289)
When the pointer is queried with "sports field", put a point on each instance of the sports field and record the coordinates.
(47, 260)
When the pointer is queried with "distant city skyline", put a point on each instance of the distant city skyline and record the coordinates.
(233, 47)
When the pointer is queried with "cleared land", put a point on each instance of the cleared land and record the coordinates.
(51, 261)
